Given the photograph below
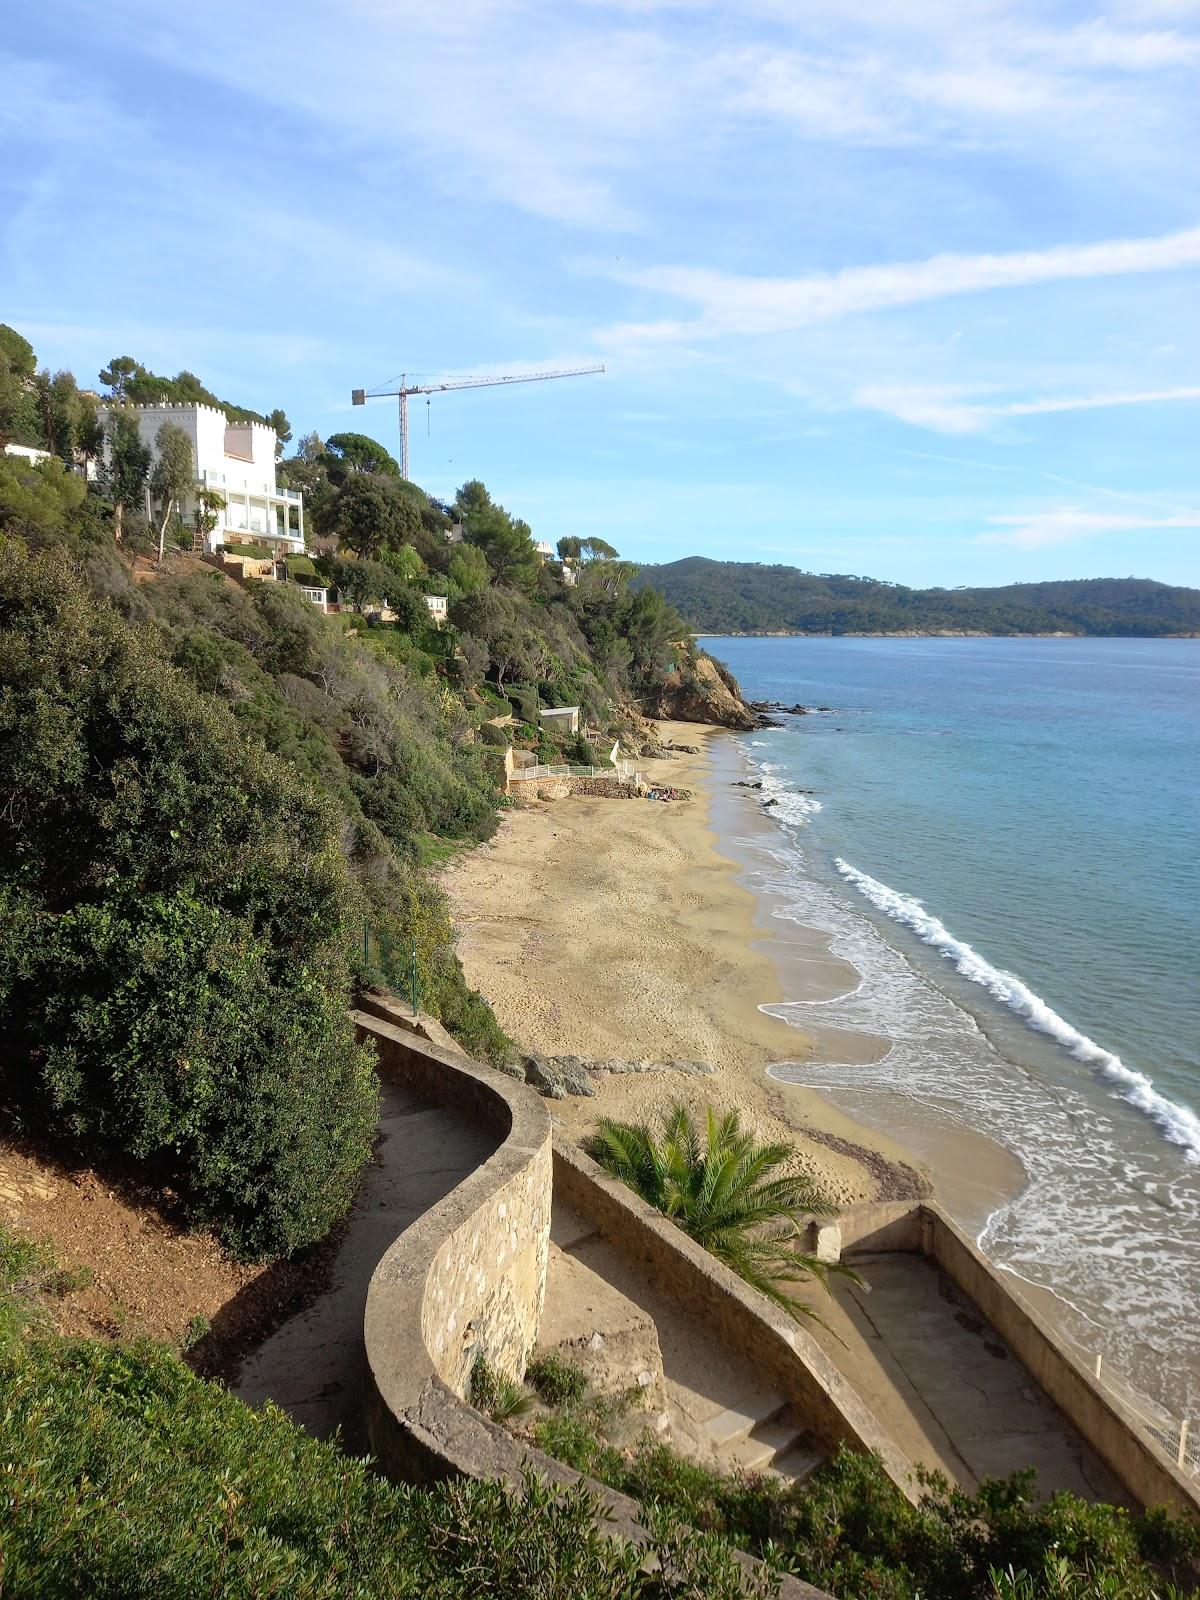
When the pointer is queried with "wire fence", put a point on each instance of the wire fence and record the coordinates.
(1175, 1436)
(623, 772)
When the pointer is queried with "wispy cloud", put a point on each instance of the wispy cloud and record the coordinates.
(726, 303)
(1066, 524)
(945, 411)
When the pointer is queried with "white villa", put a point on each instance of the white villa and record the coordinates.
(237, 461)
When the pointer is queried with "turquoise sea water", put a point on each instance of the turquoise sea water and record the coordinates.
(1003, 837)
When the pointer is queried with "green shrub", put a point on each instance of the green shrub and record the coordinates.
(556, 1381)
(523, 699)
(500, 1396)
(492, 733)
(128, 1478)
(253, 552)
(173, 989)
(848, 1529)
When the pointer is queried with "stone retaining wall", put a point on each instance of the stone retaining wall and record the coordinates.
(529, 789)
(469, 1277)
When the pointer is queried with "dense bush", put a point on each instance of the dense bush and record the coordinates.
(847, 1529)
(127, 1478)
(172, 984)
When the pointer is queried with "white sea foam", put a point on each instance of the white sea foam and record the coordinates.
(1178, 1123)
(787, 805)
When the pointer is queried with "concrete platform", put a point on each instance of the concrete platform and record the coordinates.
(946, 1386)
(312, 1365)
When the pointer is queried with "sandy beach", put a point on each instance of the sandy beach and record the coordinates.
(615, 928)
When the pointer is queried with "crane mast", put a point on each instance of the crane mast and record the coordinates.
(359, 397)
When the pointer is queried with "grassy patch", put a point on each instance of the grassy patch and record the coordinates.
(434, 852)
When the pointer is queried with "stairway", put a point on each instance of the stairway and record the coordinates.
(762, 1434)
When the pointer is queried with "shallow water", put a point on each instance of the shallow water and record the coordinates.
(1001, 839)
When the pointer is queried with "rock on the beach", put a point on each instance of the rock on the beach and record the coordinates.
(557, 1076)
(576, 1078)
(691, 1068)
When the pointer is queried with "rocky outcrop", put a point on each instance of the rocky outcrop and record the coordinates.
(705, 691)
(556, 1077)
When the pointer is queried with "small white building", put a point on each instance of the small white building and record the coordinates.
(561, 719)
(237, 461)
(438, 608)
(544, 548)
(27, 452)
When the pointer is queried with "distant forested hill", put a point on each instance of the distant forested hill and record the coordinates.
(747, 597)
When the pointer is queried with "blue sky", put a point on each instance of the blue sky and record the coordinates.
(900, 287)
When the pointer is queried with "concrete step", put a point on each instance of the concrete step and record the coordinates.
(803, 1459)
(776, 1437)
(756, 1407)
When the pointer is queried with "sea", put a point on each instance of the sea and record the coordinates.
(1002, 839)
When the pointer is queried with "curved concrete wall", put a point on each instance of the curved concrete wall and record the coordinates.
(478, 1257)
(469, 1277)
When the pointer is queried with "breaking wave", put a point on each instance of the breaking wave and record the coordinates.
(785, 803)
(1177, 1123)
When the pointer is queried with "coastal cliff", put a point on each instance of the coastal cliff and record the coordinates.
(703, 690)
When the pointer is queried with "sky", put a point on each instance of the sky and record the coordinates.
(906, 288)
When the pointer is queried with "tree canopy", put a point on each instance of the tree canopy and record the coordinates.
(358, 453)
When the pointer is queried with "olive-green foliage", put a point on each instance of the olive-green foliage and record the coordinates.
(128, 1478)
(359, 453)
(847, 1528)
(127, 379)
(20, 421)
(496, 1393)
(253, 552)
(556, 1381)
(730, 1193)
(172, 988)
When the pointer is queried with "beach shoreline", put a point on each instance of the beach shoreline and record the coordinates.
(620, 928)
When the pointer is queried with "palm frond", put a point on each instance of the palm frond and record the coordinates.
(727, 1192)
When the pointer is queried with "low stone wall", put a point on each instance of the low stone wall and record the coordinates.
(468, 1278)
(772, 1344)
(1115, 1436)
(530, 789)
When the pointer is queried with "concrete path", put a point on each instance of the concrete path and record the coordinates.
(312, 1365)
(945, 1385)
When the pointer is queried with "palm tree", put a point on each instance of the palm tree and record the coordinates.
(725, 1192)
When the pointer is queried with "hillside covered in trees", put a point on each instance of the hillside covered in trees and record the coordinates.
(219, 803)
(747, 597)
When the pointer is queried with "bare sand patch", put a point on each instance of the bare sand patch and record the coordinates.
(607, 928)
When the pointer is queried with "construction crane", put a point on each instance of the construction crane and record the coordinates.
(359, 397)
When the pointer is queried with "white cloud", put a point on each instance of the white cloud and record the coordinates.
(945, 411)
(730, 304)
(1065, 524)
